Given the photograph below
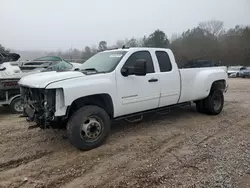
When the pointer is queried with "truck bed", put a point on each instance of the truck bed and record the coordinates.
(192, 88)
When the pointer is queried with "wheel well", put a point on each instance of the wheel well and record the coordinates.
(102, 100)
(219, 84)
(13, 97)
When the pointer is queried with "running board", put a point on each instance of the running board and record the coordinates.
(135, 120)
(164, 110)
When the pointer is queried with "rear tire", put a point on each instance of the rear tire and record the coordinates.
(214, 102)
(200, 106)
(211, 105)
(88, 127)
(16, 105)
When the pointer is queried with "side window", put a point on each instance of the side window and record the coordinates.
(141, 55)
(164, 61)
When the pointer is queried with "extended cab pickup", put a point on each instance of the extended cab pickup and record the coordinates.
(115, 84)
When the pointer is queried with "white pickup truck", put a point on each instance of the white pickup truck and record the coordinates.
(120, 83)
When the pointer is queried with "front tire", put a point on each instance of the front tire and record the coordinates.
(88, 127)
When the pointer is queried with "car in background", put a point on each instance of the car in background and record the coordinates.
(245, 72)
(234, 71)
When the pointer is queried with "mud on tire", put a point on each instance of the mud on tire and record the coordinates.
(88, 127)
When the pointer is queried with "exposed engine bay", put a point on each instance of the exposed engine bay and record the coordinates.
(39, 105)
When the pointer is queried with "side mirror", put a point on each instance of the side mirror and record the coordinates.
(140, 68)
(125, 71)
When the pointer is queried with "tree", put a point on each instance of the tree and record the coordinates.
(120, 43)
(157, 39)
(195, 44)
(3, 49)
(133, 43)
(87, 53)
(102, 46)
(213, 27)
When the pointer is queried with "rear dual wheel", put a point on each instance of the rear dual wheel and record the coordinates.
(211, 105)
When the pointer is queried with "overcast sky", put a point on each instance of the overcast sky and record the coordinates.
(58, 24)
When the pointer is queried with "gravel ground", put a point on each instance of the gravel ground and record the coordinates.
(180, 149)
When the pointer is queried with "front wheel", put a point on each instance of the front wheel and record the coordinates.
(88, 127)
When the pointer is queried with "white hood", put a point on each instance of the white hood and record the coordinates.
(41, 80)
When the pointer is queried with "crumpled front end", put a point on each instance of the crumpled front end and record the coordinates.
(39, 105)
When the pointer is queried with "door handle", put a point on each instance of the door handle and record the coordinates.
(153, 80)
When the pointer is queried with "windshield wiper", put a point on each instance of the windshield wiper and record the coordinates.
(90, 69)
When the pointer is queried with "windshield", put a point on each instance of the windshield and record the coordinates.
(104, 61)
(49, 58)
(61, 66)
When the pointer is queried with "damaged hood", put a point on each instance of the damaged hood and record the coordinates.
(41, 80)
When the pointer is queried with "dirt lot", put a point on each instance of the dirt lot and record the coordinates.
(180, 149)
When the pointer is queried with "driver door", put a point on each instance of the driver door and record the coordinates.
(138, 93)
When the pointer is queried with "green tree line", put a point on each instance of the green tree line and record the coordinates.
(209, 40)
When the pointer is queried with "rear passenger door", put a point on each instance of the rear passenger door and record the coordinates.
(169, 79)
(138, 93)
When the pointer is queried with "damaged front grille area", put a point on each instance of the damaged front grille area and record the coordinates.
(39, 105)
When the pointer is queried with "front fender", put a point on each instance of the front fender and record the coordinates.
(70, 90)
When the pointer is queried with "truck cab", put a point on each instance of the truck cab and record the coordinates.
(115, 84)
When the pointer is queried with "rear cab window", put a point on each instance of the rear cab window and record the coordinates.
(163, 61)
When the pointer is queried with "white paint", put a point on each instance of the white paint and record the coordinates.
(133, 93)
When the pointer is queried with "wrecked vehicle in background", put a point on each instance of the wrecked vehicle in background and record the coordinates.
(10, 75)
(46, 63)
(8, 57)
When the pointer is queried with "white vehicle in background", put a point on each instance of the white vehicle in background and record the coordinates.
(10, 75)
(234, 71)
(48, 63)
(118, 84)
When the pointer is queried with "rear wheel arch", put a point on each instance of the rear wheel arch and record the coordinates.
(218, 85)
